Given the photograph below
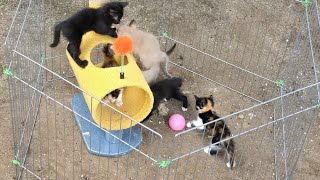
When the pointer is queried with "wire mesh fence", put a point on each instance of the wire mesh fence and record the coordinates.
(258, 59)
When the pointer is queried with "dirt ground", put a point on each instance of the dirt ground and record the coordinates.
(227, 102)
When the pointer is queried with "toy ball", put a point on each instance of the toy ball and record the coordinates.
(123, 45)
(177, 122)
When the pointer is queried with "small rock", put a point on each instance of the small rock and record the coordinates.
(240, 116)
(251, 115)
(163, 110)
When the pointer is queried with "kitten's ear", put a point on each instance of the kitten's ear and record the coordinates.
(132, 22)
(196, 97)
(212, 100)
(123, 4)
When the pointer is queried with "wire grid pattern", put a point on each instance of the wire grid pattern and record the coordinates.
(217, 54)
(294, 62)
(290, 134)
(47, 143)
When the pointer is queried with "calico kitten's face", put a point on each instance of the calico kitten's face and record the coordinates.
(204, 104)
(114, 95)
(114, 10)
(108, 50)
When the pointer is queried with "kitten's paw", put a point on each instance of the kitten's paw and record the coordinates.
(184, 109)
(229, 165)
(207, 150)
(119, 103)
(115, 35)
(189, 124)
(165, 99)
(83, 63)
(106, 101)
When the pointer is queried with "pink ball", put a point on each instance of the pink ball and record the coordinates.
(177, 122)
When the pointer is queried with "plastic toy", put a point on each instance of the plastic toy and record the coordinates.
(177, 122)
(98, 82)
(105, 132)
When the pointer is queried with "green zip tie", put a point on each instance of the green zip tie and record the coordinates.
(306, 3)
(15, 162)
(42, 58)
(7, 72)
(318, 103)
(279, 83)
(165, 34)
(234, 36)
(165, 163)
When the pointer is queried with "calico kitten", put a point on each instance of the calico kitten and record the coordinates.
(218, 130)
(114, 96)
(147, 48)
(200, 104)
(167, 89)
(108, 53)
(98, 20)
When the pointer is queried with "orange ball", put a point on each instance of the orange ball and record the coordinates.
(123, 45)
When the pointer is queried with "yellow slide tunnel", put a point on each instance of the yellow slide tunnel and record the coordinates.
(137, 96)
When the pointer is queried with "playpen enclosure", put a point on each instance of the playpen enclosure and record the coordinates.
(241, 52)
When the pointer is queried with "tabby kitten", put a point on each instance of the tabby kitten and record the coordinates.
(218, 130)
(99, 20)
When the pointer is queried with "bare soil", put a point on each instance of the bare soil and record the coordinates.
(60, 149)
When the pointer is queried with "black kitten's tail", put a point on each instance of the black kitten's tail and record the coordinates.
(230, 145)
(176, 81)
(56, 35)
(171, 49)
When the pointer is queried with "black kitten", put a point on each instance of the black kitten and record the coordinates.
(88, 19)
(167, 89)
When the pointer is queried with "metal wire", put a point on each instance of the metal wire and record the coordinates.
(42, 84)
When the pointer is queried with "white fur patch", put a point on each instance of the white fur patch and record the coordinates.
(215, 147)
(184, 109)
(212, 147)
(207, 150)
(189, 124)
(196, 123)
(165, 99)
(119, 101)
(229, 165)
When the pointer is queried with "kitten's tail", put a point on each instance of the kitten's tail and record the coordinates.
(56, 35)
(165, 65)
(171, 49)
(230, 146)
